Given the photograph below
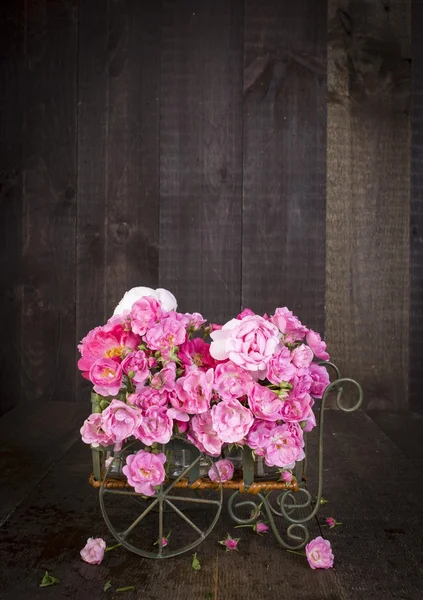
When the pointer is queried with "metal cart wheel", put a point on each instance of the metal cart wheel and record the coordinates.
(140, 523)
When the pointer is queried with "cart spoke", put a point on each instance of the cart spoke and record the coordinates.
(140, 518)
(160, 527)
(194, 500)
(124, 493)
(184, 517)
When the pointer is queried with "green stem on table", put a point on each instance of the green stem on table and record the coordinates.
(299, 553)
(112, 547)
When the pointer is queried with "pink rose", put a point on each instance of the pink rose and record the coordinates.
(120, 420)
(264, 403)
(258, 437)
(136, 364)
(164, 380)
(286, 476)
(297, 432)
(280, 367)
(146, 397)
(194, 392)
(93, 551)
(166, 335)
(178, 415)
(192, 321)
(320, 380)
(181, 425)
(310, 419)
(301, 383)
(225, 469)
(247, 312)
(105, 342)
(249, 343)
(294, 409)
(155, 426)
(144, 313)
(317, 345)
(302, 356)
(203, 435)
(230, 543)
(106, 375)
(144, 470)
(230, 381)
(261, 528)
(319, 554)
(92, 432)
(231, 420)
(195, 354)
(284, 448)
(289, 325)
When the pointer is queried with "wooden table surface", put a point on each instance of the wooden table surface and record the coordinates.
(372, 483)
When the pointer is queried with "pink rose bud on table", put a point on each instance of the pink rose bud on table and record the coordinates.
(93, 551)
(230, 543)
(331, 522)
(319, 554)
(261, 528)
(225, 469)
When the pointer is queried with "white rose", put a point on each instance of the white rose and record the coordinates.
(218, 348)
(166, 299)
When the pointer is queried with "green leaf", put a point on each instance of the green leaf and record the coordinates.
(107, 586)
(323, 500)
(48, 580)
(128, 588)
(195, 562)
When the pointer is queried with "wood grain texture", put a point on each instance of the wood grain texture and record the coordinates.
(49, 221)
(11, 115)
(92, 184)
(375, 491)
(283, 253)
(132, 147)
(368, 196)
(201, 155)
(416, 220)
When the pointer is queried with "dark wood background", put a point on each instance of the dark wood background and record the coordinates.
(238, 152)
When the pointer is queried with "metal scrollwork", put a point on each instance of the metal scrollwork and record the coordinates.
(291, 506)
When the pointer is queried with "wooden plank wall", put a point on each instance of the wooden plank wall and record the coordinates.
(368, 195)
(240, 153)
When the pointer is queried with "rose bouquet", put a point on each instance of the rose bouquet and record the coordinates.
(158, 373)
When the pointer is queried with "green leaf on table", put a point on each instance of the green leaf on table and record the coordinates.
(128, 588)
(48, 580)
(323, 500)
(107, 586)
(195, 562)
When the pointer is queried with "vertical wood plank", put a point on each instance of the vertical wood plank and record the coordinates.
(201, 155)
(11, 115)
(118, 180)
(367, 292)
(49, 223)
(132, 147)
(416, 255)
(284, 158)
(92, 189)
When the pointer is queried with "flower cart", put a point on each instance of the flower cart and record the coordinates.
(180, 427)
